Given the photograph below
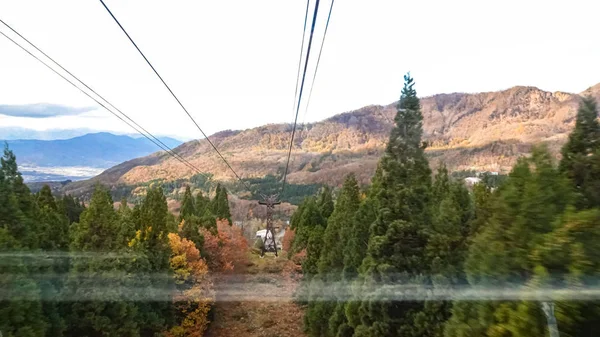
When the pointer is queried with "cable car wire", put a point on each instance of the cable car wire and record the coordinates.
(312, 30)
(303, 128)
(150, 136)
(174, 96)
(312, 85)
(300, 57)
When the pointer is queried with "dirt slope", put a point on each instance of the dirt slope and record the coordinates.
(269, 277)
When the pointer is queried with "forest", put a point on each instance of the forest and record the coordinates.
(395, 259)
(391, 259)
(70, 269)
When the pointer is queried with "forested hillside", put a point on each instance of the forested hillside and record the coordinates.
(70, 269)
(482, 132)
(417, 254)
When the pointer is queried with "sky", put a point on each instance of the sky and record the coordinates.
(233, 63)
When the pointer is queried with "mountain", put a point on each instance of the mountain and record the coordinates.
(14, 133)
(95, 150)
(481, 131)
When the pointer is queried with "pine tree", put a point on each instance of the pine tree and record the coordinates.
(45, 198)
(97, 233)
(295, 218)
(16, 213)
(581, 155)
(482, 209)
(567, 258)
(339, 226)
(326, 202)
(314, 247)
(396, 251)
(22, 316)
(187, 205)
(53, 236)
(71, 207)
(220, 204)
(208, 220)
(346, 316)
(446, 249)
(525, 211)
(331, 260)
(53, 226)
(126, 224)
(155, 316)
(309, 219)
(190, 229)
(201, 204)
(309, 225)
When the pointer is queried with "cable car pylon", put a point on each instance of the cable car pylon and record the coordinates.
(270, 245)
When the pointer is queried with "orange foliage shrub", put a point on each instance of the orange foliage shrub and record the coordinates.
(287, 240)
(299, 257)
(225, 249)
(194, 289)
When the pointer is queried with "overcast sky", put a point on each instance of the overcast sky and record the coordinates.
(233, 62)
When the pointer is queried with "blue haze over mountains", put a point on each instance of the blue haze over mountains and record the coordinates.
(97, 150)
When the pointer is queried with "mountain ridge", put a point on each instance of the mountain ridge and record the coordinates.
(481, 131)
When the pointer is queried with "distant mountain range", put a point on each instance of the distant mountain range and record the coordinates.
(94, 150)
(14, 133)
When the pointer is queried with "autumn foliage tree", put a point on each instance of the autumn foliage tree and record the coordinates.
(288, 239)
(226, 248)
(193, 288)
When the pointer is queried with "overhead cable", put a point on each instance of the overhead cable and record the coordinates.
(174, 96)
(312, 30)
(145, 133)
(318, 61)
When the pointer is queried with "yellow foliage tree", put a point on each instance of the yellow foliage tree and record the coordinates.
(194, 289)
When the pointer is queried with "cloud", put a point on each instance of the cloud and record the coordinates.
(41, 110)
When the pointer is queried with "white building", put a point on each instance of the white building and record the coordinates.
(470, 181)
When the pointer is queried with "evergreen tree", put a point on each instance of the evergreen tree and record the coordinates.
(581, 155)
(46, 199)
(220, 204)
(126, 224)
(358, 237)
(16, 213)
(339, 226)
(96, 233)
(446, 248)
(326, 202)
(526, 208)
(53, 226)
(314, 247)
(22, 316)
(331, 260)
(568, 257)
(297, 215)
(346, 316)
(308, 221)
(201, 204)
(187, 205)
(71, 207)
(153, 212)
(483, 203)
(190, 229)
(396, 250)
(53, 236)
(208, 220)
